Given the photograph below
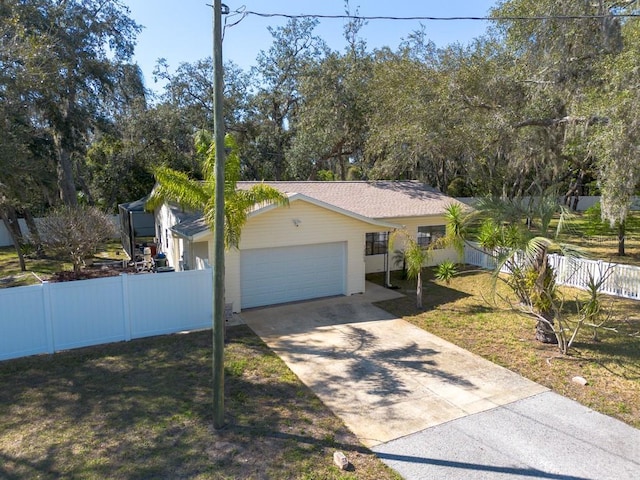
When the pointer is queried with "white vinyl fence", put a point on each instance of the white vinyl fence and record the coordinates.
(583, 203)
(58, 316)
(620, 280)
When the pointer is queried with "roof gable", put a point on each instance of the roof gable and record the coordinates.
(294, 197)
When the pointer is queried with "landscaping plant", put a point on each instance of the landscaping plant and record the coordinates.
(415, 256)
(76, 233)
(517, 234)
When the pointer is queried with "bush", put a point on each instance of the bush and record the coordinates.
(76, 233)
(446, 271)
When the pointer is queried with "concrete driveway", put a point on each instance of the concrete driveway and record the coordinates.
(430, 409)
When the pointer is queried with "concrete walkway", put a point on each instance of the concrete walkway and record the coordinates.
(430, 409)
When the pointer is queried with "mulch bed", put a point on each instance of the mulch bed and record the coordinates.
(94, 271)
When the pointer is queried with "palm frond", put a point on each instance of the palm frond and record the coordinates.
(238, 205)
(457, 227)
(205, 151)
(566, 221)
(174, 186)
(415, 255)
(537, 246)
(262, 193)
(177, 187)
(232, 173)
(502, 210)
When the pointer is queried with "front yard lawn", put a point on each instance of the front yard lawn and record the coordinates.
(463, 314)
(143, 409)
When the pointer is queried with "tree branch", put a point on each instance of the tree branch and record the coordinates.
(553, 122)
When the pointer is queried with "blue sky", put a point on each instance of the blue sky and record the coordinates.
(180, 30)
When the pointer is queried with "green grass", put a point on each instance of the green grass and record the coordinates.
(39, 269)
(465, 314)
(11, 276)
(143, 409)
(604, 247)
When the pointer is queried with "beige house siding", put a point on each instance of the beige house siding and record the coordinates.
(232, 289)
(170, 244)
(276, 228)
(200, 254)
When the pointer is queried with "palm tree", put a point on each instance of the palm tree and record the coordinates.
(415, 256)
(520, 237)
(194, 195)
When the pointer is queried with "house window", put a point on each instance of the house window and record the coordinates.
(376, 243)
(428, 235)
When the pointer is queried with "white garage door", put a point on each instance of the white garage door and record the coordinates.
(288, 274)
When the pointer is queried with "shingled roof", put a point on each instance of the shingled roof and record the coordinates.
(372, 199)
(380, 200)
(189, 224)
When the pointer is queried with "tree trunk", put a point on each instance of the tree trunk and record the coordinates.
(66, 184)
(34, 235)
(544, 287)
(343, 168)
(63, 139)
(419, 291)
(14, 238)
(544, 331)
(622, 227)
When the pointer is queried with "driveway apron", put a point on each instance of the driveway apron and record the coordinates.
(430, 409)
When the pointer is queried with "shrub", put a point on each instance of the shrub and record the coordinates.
(75, 233)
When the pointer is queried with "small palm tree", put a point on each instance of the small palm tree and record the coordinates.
(194, 195)
(415, 257)
(520, 237)
(446, 271)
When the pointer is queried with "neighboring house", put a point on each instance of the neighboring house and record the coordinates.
(322, 244)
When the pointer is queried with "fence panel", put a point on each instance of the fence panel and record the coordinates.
(23, 329)
(170, 302)
(621, 280)
(626, 281)
(475, 255)
(87, 312)
(58, 316)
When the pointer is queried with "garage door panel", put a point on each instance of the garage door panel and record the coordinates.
(277, 275)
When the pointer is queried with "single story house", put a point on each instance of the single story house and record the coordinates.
(322, 244)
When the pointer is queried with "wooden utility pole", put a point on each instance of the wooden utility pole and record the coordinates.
(218, 221)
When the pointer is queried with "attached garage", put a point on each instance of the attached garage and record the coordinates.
(306, 250)
(287, 274)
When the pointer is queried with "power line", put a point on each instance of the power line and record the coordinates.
(245, 13)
